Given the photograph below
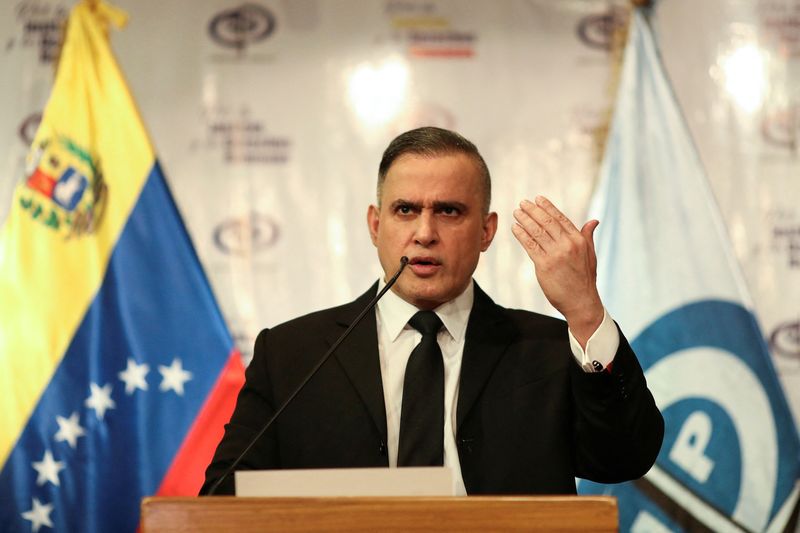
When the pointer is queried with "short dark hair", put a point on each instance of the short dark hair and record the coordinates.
(430, 141)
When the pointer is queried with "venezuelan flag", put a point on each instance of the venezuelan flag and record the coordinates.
(117, 371)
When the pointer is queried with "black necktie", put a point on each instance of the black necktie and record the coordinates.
(422, 415)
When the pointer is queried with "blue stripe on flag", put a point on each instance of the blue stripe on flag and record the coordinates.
(154, 307)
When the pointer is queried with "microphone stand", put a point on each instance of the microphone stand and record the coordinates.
(288, 400)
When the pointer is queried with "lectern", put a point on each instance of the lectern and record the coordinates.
(473, 513)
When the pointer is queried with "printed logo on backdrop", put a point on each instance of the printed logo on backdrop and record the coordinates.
(784, 341)
(426, 33)
(788, 238)
(27, 129)
(241, 28)
(246, 235)
(41, 25)
(64, 189)
(241, 139)
(721, 433)
(597, 31)
(780, 26)
(786, 235)
(781, 128)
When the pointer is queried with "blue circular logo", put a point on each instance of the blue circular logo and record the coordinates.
(730, 443)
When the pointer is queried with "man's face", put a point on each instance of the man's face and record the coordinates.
(432, 212)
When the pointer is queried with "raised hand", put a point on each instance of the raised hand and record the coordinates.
(565, 262)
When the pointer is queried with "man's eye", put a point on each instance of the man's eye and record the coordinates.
(404, 209)
(450, 211)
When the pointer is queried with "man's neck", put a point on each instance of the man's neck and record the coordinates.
(394, 311)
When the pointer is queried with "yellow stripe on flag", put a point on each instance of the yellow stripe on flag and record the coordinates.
(84, 176)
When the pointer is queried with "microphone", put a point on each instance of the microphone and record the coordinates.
(288, 400)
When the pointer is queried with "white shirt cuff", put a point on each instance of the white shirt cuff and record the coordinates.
(600, 348)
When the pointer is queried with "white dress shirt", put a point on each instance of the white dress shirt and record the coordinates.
(396, 341)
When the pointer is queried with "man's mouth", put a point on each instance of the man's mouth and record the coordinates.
(424, 266)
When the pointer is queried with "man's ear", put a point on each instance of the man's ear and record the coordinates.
(373, 221)
(489, 230)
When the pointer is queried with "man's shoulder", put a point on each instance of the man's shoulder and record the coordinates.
(536, 325)
(322, 316)
(523, 321)
(319, 322)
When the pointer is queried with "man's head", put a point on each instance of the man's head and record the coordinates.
(433, 207)
(433, 142)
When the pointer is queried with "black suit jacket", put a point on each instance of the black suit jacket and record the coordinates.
(529, 419)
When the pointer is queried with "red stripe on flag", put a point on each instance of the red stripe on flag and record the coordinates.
(187, 473)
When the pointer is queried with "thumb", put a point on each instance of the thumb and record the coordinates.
(588, 231)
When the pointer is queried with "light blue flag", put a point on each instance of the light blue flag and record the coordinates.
(730, 459)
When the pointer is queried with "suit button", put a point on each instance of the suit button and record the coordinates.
(465, 445)
(382, 449)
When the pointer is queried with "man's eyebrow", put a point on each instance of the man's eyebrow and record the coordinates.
(438, 206)
(405, 203)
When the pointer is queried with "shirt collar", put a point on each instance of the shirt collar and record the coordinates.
(395, 312)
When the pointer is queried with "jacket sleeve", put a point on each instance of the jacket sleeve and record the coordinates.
(618, 428)
(254, 407)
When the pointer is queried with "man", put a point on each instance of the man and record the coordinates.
(513, 401)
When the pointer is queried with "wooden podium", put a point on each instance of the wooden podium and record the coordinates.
(474, 513)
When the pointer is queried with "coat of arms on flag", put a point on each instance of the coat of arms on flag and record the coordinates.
(117, 371)
(731, 458)
(61, 171)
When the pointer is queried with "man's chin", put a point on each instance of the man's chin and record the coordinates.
(424, 298)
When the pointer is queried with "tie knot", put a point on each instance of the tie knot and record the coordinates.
(426, 322)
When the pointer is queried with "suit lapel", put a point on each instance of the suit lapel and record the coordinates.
(488, 335)
(358, 356)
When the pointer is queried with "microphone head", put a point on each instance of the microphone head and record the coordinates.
(404, 260)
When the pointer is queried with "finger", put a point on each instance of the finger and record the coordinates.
(588, 233)
(554, 212)
(543, 218)
(533, 249)
(534, 230)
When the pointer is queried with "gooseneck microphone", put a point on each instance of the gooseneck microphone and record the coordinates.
(288, 400)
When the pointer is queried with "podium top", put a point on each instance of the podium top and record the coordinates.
(470, 513)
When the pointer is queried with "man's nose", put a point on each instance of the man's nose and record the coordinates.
(425, 233)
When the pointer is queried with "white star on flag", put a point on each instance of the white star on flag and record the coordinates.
(69, 429)
(39, 516)
(48, 469)
(133, 376)
(100, 399)
(174, 376)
